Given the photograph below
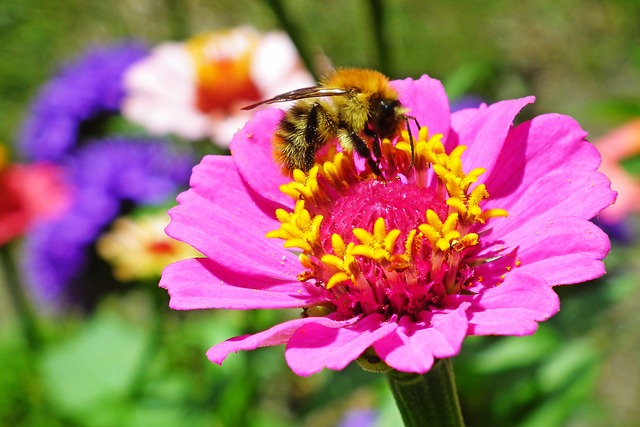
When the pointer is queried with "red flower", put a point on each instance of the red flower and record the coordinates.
(29, 193)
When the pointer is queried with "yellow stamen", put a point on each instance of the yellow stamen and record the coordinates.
(298, 229)
(468, 240)
(349, 264)
(345, 266)
(338, 245)
(337, 279)
(491, 213)
(379, 245)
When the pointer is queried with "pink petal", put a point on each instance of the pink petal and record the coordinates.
(222, 220)
(547, 224)
(160, 93)
(513, 307)
(201, 284)
(577, 193)
(315, 346)
(485, 134)
(427, 101)
(533, 149)
(279, 334)
(252, 150)
(461, 117)
(218, 179)
(568, 250)
(414, 345)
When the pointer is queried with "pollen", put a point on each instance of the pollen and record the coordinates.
(394, 243)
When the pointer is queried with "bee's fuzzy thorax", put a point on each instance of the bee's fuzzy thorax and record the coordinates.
(366, 81)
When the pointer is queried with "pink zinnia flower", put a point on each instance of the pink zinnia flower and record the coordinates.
(468, 239)
(196, 89)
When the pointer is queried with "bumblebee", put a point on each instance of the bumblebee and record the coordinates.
(351, 104)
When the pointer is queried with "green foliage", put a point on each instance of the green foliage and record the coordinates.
(92, 367)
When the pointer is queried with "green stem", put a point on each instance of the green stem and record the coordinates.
(294, 33)
(379, 31)
(19, 299)
(177, 19)
(154, 340)
(430, 399)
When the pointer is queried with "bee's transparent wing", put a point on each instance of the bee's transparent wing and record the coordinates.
(303, 93)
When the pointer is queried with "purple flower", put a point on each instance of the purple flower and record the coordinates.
(363, 417)
(106, 176)
(85, 89)
(465, 102)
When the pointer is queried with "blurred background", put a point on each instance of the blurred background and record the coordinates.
(88, 340)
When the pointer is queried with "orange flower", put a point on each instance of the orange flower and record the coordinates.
(618, 145)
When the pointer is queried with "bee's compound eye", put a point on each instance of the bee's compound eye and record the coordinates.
(384, 119)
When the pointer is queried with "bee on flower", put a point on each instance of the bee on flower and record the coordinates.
(462, 227)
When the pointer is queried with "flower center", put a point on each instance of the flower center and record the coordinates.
(394, 243)
(223, 69)
(401, 205)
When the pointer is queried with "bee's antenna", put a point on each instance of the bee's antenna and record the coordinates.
(407, 118)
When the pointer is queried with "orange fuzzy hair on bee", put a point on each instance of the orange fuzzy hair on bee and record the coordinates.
(367, 82)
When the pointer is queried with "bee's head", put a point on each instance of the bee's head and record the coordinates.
(387, 116)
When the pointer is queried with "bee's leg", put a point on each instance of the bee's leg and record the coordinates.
(411, 144)
(375, 145)
(311, 136)
(411, 136)
(361, 148)
(377, 151)
(309, 157)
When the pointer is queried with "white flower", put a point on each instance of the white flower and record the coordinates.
(196, 89)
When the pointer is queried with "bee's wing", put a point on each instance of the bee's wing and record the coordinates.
(306, 92)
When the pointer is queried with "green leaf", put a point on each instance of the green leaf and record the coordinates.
(566, 365)
(632, 165)
(93, 367)
(460, 82)
(565, 403)
(514, 352)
